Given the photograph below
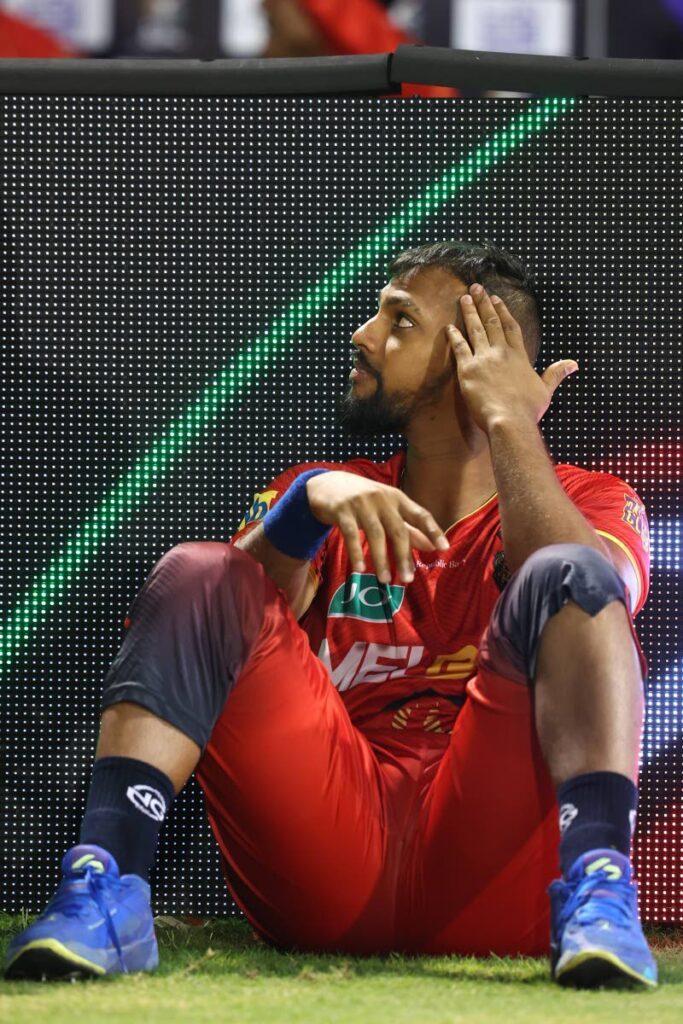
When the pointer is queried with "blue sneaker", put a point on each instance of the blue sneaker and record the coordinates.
(96, 923)
(596, 937)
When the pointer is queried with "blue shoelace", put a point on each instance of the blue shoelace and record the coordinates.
(76, 904)
(615, 908)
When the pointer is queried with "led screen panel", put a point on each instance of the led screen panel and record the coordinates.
(181, 278)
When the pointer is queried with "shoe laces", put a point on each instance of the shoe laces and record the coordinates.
(76, 903)
(615, 907)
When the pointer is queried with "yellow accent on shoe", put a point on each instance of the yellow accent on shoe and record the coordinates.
(612, 870)
(610, 958)
(62, 951)
(88, 858)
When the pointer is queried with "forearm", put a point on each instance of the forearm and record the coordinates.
(534, 509)
(289, 574)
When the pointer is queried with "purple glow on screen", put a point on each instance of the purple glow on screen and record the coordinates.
(675, 9)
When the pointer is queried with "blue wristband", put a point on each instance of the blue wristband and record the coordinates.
(290, 525)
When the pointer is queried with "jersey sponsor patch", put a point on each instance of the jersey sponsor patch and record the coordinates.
(367, 662)
(259, 508)
(634, 514)
(362, 597)
(453, 665)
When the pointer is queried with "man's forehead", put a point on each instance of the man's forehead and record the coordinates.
(427, 287)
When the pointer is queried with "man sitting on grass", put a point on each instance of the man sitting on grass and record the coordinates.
(398, 769)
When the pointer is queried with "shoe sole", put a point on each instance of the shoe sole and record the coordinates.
(596, 968)
(49, 960)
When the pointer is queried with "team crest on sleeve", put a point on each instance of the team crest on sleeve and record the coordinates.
(634, 514)
(259, 508)
(501, 569)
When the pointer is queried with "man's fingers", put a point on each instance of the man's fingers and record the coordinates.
(404, 526)
(420, 540)
(474, 329)
(372, 527)
(350, 532)
(426, 524)
(513, 332)
(488, 316)
(397, 531)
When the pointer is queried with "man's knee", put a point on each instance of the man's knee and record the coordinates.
(185, 574)
(211, 590)
(575, 572)
(540, 588)
(197, 560)
(193, 626)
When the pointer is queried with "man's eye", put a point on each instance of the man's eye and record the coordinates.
(402, 316)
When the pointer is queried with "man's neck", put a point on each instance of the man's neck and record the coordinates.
(449, 481)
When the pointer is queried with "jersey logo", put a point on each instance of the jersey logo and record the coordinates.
(634, 515)
(260, 506)
(362, 597)
(458, 664)
(366, 662)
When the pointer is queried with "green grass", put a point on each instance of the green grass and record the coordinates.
(220, 972)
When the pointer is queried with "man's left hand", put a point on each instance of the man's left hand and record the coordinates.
(495, 376)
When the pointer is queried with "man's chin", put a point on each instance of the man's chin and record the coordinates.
(358, 430)
(361, 418)
(357, 427)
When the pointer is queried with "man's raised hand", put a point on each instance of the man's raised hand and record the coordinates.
(496, 379)
(354, 503)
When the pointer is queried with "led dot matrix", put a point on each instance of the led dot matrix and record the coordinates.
(181, 278)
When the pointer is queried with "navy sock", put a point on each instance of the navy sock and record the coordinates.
(597, 811)
(127, 804)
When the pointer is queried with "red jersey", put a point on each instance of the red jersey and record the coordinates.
(385, 643)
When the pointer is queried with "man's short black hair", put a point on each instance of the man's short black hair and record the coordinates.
(487, 264)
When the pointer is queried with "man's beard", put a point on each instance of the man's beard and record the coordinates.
(378, 413)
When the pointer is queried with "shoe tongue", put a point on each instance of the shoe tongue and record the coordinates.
(614, 865)
(79, 857)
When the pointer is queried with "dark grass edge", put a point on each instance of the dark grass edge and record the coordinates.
(215, 946)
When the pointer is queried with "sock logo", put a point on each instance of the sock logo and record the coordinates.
(148, 800)
(567, 814)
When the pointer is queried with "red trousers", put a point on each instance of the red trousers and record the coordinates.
(337, 840)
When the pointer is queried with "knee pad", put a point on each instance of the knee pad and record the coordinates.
(193, 626)
(574, 572)
(539, 589)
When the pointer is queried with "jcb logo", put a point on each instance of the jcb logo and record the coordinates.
(361, 597)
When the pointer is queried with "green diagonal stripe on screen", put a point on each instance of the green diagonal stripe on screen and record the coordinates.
(50, 587)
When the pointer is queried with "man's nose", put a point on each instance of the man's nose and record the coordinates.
(363, 334)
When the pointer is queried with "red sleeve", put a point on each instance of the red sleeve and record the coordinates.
(19, 38)
(616, 511)
(268, 498)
